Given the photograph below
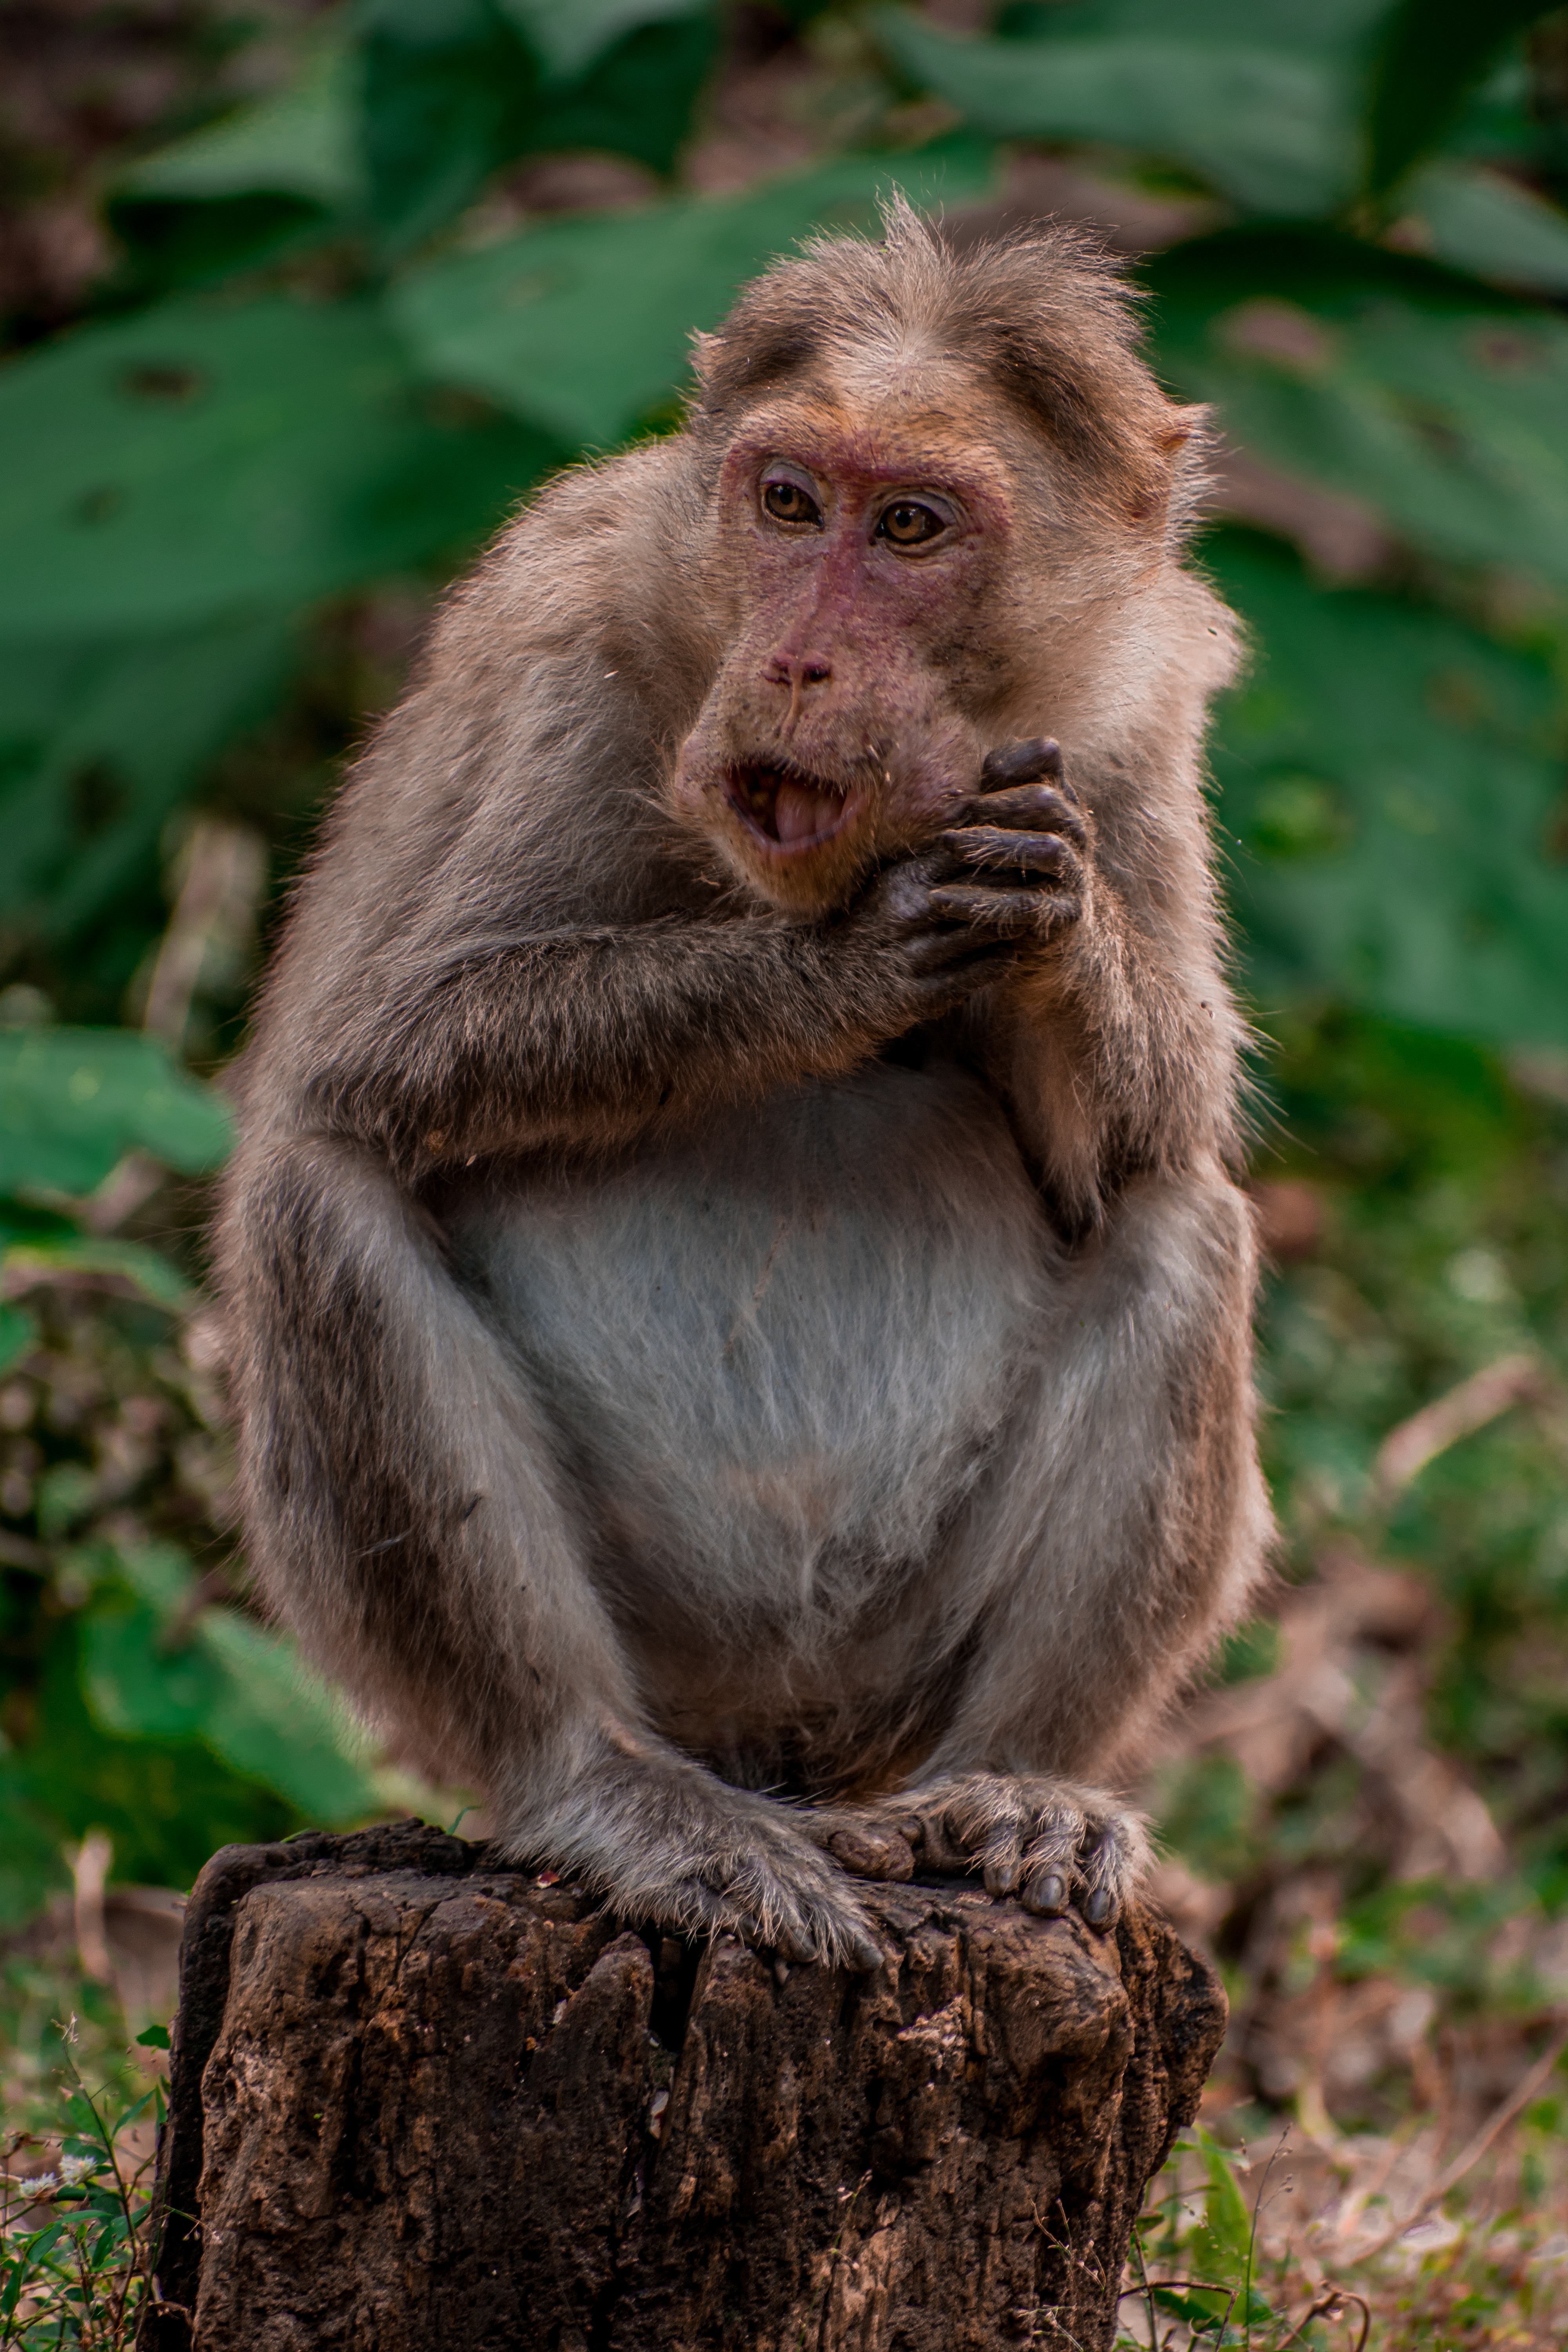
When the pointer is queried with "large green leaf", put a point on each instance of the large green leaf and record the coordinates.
(637, 97)
(165, 1803)
(1388, 782)
(72, 1101)
(452, 88)
(1478, 220)
(582, 325)
(300, 143)
(241, 190)
(1270, 127)
(446, 87)
(568, 41)
(99, 740)
(148, 1672)
(100, 1259)
(200, 457)
(1432, 54)
(1381, 376)
(1342, 28)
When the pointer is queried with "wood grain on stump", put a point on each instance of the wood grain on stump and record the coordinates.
(420, 2102)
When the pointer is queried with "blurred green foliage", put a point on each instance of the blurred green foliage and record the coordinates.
(330, 353)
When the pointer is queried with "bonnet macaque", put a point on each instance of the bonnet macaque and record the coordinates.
(739, 1313)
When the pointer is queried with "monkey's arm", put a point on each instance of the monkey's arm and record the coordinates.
(1115, 1040)
(593, 1032)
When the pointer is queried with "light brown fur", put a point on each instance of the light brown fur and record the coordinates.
(733, 1277)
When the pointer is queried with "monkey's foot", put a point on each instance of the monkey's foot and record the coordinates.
(1050, 1842)
(670, 1843)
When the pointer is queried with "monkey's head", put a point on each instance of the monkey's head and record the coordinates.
(938, 485)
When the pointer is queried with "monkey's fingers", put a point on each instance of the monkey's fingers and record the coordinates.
(1029, 808)
(1012, 913)
(866, 1847)
(1021, 763)
(951, 946)
(987, 845)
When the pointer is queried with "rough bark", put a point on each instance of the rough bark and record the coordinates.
(419, 2101)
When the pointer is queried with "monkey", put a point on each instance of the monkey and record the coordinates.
(738, 1298)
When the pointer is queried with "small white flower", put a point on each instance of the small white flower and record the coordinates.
(75, 2169)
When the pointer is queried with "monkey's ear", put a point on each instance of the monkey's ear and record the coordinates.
(1176, 489)
(705, 351)
(1179, 426)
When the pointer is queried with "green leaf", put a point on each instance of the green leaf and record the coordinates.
(302, 142)
(447, 87)
(132, 1263)
(453, 92)
(279, 1724)
(73, 1101)
(101, 739)
(1483, 222)
(198, 458)
(227, 1680)
(568, 41)
(18, 1332)
(1272, 129)
(244, 189)
(153, 2037)
(1438, 405)
(165, 1803)
(636, 100)
(1432, 54)
(583, 326)
(1229, 2224)
(1387, 783)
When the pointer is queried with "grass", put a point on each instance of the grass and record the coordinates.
(74, 2209)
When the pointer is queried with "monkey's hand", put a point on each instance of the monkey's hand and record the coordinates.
(1021, 850)
(1050, 1842)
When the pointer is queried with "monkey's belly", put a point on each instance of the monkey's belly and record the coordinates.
(775, 1355)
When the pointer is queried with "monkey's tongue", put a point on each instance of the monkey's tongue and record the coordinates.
(802, 815)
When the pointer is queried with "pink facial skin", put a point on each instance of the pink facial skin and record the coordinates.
(863, 563)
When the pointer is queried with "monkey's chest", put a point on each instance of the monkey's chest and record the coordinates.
(779, 1349)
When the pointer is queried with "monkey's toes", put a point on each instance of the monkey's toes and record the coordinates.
(867, 1848)
(1052, 1844)
(793, 1916)
(1089, 1856)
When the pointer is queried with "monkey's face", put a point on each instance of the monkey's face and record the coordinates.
(858, 565)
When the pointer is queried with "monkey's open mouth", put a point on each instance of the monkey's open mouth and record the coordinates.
(793, 812)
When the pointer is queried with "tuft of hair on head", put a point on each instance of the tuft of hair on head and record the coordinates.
(1045, 314)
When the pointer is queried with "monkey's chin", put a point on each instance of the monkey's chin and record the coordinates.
(789, 815)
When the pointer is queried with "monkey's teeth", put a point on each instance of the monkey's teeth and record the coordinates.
(801, 814)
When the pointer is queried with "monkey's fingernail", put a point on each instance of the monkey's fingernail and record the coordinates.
(781, 1974)
(1098, 1909)
(1003, 1877)
(866, 1954)
(792, 1946)
(1048, 1894)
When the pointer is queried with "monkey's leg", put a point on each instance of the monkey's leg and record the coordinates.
(1122, 1527)
(407, 1520)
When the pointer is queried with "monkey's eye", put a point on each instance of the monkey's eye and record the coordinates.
(786, 501)
(909, 525)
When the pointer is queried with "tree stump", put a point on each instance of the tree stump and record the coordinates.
(420, 2101)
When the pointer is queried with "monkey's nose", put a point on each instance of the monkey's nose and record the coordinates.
(797, 671)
